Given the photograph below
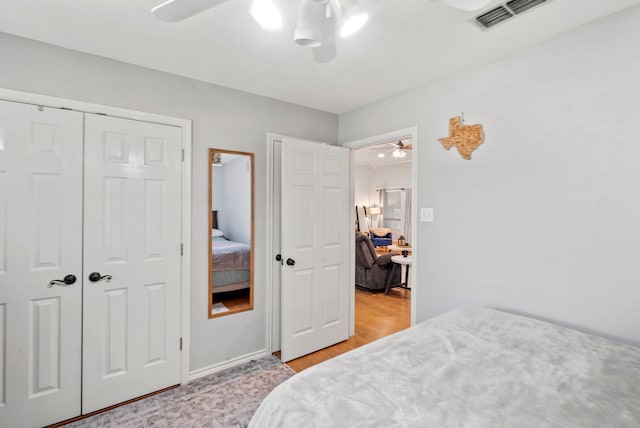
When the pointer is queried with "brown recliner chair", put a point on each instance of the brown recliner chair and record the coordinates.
(371, 270)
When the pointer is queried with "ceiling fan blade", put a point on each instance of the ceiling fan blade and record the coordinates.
(389, 145)
(468, 5)
(328, 50)
(408, 146)
(177, 10)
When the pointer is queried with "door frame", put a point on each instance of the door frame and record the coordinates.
(185, 224)
(273, 310)
(272, 326)
(398, 134)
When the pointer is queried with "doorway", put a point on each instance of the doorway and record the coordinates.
(393, 181)
(273, 326)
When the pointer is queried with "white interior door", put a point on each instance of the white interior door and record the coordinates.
(131, 334)
(40, 241)
(315, 236)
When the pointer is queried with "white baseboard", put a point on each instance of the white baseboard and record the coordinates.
(205, 371)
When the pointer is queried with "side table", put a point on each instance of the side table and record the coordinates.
(399, 261)
(399, 249)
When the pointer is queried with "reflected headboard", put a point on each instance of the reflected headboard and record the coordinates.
(214, 219)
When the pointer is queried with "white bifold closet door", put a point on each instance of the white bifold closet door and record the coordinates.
(84, 194)
(40, 241)
(131, 330)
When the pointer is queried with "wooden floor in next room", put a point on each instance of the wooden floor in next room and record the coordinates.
(377, 316)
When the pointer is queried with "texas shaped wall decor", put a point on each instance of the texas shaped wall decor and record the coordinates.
(466, 138)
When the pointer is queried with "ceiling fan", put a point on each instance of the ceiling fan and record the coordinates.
(318, 21)
(398, 149)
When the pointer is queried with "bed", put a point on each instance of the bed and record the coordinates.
(469, 368)
(231, 261)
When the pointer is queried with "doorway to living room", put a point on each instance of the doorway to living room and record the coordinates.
(372, 315)
(382, 201)
(380, 186)
(384, 189)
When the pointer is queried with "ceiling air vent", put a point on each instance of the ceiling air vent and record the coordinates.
(519, 6)
(504, 12)
(493, 17)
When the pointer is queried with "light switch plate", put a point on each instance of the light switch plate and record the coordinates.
(426, 214)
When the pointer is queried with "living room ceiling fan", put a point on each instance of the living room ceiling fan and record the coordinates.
(398, 149)
(318, 21)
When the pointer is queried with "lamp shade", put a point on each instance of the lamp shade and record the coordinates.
(375, 210)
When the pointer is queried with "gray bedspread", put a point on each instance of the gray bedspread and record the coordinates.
(470, 368)
(230, 255)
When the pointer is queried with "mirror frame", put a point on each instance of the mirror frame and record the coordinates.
(210, 234)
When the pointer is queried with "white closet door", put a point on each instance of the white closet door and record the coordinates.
(40, 241)
(131, 334)
(316, 233)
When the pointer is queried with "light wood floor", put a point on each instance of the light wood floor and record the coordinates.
(377, 316)
(235, 301)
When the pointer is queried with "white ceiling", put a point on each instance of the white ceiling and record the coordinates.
(405, 44)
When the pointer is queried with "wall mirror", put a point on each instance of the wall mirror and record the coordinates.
(231, 197)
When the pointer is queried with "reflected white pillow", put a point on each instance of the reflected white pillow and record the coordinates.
(215, 233)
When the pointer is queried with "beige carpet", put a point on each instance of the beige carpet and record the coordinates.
(225, 399)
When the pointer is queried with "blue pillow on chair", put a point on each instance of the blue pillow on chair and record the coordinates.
(382, 241)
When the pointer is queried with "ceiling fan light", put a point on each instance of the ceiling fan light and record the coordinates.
(380, 155)
(353, 24)
(307, 37)
(266, 14)
(308, 32)
(399, 153)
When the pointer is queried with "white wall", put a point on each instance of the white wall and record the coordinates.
(218, 195)
(391, 177)
(363, 185)
(545, 220)
(368, 179)
(222, 118)
(238, 199)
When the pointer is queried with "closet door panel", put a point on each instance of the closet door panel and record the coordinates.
(40, 241)
(132, 233)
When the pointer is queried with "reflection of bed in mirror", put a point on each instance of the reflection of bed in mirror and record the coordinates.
(231, 195)
(231, 261)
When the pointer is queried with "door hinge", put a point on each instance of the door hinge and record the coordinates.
(181, 344)
(182, 155)
(182, 249)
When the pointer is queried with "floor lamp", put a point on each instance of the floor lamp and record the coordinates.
(377, 211)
